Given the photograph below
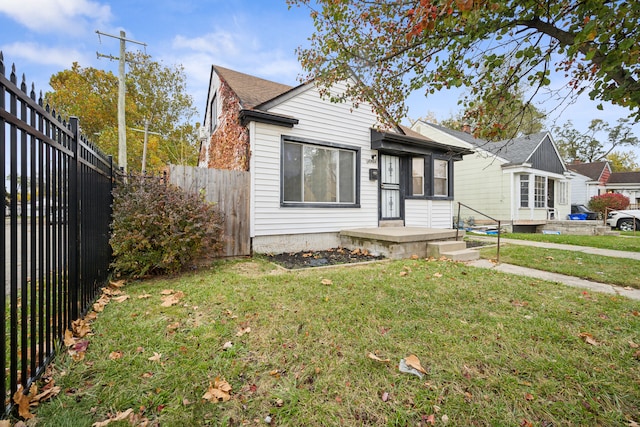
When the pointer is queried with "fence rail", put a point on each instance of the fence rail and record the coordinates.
(57, 214)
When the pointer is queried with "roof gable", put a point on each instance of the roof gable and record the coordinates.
(593, 170)
(250, 90)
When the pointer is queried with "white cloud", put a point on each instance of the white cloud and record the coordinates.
(57, 16)
(61, 58)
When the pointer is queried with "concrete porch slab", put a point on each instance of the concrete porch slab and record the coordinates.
(402, 234)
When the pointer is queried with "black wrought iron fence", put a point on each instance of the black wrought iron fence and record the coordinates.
(56, 231)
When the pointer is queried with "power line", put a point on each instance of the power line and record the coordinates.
(122, 131)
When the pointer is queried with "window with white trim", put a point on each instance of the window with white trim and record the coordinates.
(563, 190)
(524, 191)
(417, 176)
(317, 174)
(540, 191)
(440, 177)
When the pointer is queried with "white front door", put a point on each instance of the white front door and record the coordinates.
(390, 195)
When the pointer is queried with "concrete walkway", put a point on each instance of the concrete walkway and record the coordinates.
(561, 278)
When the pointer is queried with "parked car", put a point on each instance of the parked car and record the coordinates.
(623, 220)
(582, 209)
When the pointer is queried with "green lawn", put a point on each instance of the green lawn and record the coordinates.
(498, 350)
(624, 242)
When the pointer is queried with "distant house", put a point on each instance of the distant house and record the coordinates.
(318, 167)
(524, 179)
(588, 180)
(625, 183)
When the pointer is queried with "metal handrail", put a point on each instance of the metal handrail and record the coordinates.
(486, 216)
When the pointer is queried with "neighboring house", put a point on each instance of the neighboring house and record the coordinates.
(588, 180)
(319, 167)
(625, 183)
(524, 179)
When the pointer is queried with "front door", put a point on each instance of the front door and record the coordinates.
(391, 200)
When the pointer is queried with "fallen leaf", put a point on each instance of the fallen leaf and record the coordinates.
(144, 296)
(275, 373)
(80, 328)
(5, 423)
(377, 359)
(633, 345)
(243, 331)
(23, 401)
(122, 298)
(403, 273)
(550, 258)
(445, 419)
(219, 391)
(227, 345)
(438, 275)
(327, 282)
(117, 284)
(413, 362)
(385, 396)
(115, 355)
(173, 326)
(69, 340)
(431, 419)
(588, 338)
(528, 396)
(166, 292)
(172, 299)
(156, 357)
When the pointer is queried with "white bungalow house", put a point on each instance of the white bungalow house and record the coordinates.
(523, 180)
(588, 180)
(317, 167)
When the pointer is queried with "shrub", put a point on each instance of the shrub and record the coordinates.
(159, 228)
(615, 201)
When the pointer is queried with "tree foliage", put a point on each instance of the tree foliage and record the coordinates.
(154, 93)
(392, 48)
(595, 144)
(623, 161)
(608, 201)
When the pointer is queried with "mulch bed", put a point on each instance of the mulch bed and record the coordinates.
(333, 256)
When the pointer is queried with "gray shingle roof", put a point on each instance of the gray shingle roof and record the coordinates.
(515, 151)
(624, 178)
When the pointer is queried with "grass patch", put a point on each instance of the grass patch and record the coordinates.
(620, 243)
(614, 271)
(499, 350)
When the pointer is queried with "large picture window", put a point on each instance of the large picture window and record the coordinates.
(317, 174)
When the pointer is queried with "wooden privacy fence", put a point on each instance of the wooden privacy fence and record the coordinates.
(56, 252)
(229, 190)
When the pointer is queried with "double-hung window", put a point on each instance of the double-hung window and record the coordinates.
(440, 178)
(524, 191)
(417, 176)
(540, 191)
(315, 174)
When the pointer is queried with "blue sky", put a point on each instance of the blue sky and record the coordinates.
(257, 37)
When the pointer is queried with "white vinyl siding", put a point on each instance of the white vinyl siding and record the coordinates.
(319, 120)
(429, 213)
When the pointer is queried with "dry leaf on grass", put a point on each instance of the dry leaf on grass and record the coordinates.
(116, 355)
(80, 327)
(172, 299)
(372, 356)
(117, 284)
(588, 338)
(156, 357)
(24, 401)
(166, 292)
(122, 298)
(144, 296)
(243, 331)
(438, 275)
(326, 282)
(69, 340)
(219, 391)
(120, 416)
(413, 362)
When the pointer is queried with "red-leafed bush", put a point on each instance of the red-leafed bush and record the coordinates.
(615, 201)
(159, 228)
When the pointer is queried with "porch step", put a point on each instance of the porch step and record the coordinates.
(462, 255)
(453, 250)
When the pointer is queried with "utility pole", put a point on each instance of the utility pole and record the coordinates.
(144, 147)
(122, 130)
